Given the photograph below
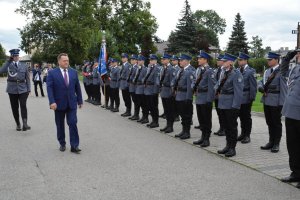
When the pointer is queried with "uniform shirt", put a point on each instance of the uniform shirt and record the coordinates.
(151, 80)
(139, 80)
(184, 78)
(250, 84)
(167, 75)
(115, 77)
(205, 89)
(277, 89)
(18, 78)
(124, 75)
(231, 93)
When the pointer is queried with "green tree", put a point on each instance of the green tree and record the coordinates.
(256, 48)
(210, 20)
(238, 39)
(183, 38)
(2, 55)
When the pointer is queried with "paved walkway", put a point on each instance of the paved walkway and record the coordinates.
(125, 160)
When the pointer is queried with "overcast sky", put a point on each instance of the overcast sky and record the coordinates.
(272, 20)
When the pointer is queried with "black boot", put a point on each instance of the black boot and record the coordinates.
(200, 141)
(241, 137)
(177, 119)
(206, 142)
(222, 132)
(231, 152)
(169, 128)
(135, 117)
(145, 121)
(217, 133)
(163, 129)
(141, 119)
(116, 109)
(88, 100)
(246, 140)
(154, 124)
(180, 134)
(127, 113)
(275, 148)
(25, 125)
(225, 150)
(268, 146)
(18, 127)
(186, 134)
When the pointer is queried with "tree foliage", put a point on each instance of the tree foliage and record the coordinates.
(256, 47)
(238, 39)
(77, 26)
(2, 54)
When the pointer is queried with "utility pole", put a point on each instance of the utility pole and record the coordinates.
(298, 35)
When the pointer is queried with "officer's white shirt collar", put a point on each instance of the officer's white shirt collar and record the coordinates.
(246, 66)
(125, 63)
(16, 62)
(275, 67)
(186, 67)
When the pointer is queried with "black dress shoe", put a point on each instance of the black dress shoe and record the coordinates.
(176, 119)
(18, 128)
(62, 148)
(154, 125)
(217, 133)
(134, 117)
(169, 130)
(246, 140)
(230, 153)
(126, 114)
(198, 142)
(298, 186)
(75, 150)
(163, 116)
(163, 129)
(140, 120)
(290, 179)
(241, 137)
(222, 133)
(205, 143)
(275, 148)
(185, 136)
(145, 121)
(268, 146)
(115, 110)
(179, 134)
(223, 151)
(197, 127)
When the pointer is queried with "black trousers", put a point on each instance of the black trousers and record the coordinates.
(204, 114)
(15, 101)
(185, 110)
(152, 105)
(176, 113)
(245, 118)
(106, 92)
(96, 94)
(293, 141)
(221, 121)
(87, 88)
(141, 102)
(273, 120)
(114, 97)
(127, 99)
(231, 126)
(169, 109)
(133, 97)
(40, 84)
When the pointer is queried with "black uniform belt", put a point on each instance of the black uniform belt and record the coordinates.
(246, 89)
(124, 79)
(166, 85)
(226, 93)
(114, 80)
(202, 90)
(181, 89)
(273, 92)
(16, 81)
(149, 83)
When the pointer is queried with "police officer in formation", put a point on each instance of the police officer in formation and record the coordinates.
(230, 93)
(141, 101)
(219, 71)
(96, 82)
(124, 86)
(106, 85)
(249, 94)
(132, 86)
(184, 95)
(88, 80)
(291, 111)
(203, 86)
(273, 86)
(167, 74)
(114, 85)
(151, 89)
(175, 62)
(18, 87)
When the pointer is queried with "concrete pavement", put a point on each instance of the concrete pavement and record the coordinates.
(121, 159)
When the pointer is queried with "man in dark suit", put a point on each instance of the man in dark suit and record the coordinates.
(64, 95)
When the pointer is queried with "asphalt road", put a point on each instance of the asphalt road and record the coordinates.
(120, 160)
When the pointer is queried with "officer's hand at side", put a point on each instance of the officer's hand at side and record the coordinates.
(53, 106)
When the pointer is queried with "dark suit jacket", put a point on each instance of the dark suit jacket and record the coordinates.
(65, 97)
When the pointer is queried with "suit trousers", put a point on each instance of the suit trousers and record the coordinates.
(185, 110)
(273, 120)
(245, 118)
(114, 97)
(152, 104)
(204, 114)
(71, 115)
(15, 101)
(40, 84)
(169, 109)
(127, 99)
(293, 141)
(231, 126)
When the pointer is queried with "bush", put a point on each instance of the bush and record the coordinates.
(258, 64)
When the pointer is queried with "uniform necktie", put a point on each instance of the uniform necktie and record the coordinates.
(271, 70)
(16, 65)
(66, 78)
(242, 69)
